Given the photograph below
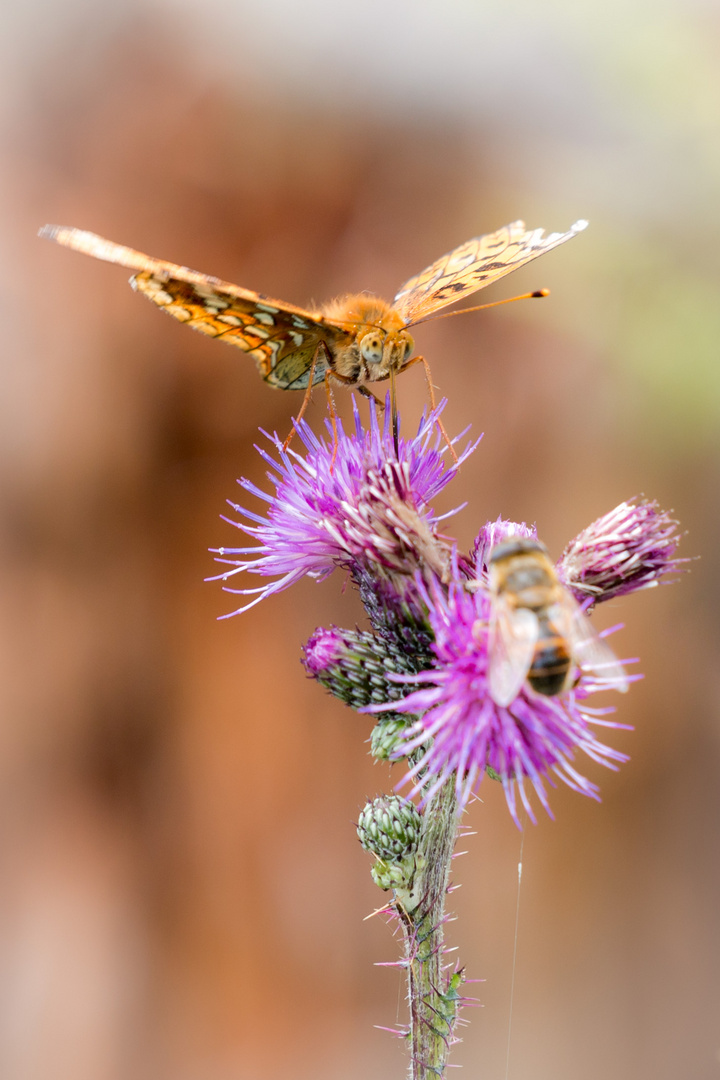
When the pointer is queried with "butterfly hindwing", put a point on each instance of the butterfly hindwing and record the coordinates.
(281, 339)
(473, 265)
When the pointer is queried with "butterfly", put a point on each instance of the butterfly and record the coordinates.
(354, 340)
(360, 338)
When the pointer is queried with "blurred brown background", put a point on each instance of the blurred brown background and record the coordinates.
(181, 890)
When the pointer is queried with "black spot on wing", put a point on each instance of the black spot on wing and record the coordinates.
(494, 266)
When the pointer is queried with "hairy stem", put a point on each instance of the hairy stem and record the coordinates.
(432, 992)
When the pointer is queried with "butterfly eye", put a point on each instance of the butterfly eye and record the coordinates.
(371, 347)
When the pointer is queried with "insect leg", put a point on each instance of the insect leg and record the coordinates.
(373, 397)
(330, 373)
(433, 401)
(393, 407)
(333, 415)
(308, 392)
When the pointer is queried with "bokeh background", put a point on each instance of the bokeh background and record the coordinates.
(181, 891)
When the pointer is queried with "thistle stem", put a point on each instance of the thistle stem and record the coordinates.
(432, 993)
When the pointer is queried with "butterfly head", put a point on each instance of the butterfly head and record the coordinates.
(384, 351)
(377, 342)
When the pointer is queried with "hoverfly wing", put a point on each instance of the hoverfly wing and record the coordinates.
(590, 652)
(513, 637)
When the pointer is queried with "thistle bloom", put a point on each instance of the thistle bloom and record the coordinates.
(460, 729)
(494, 532)
(633, 547)
(355, 505)
(359, 505)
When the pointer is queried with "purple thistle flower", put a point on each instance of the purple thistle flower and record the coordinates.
(461, 729)
(357, 505)
(494, 532)
(325, 650)
(630, 548)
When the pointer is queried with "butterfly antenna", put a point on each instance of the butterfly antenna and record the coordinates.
(394, 413)
(480, 307)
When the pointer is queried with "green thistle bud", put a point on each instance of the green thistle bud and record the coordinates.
(398, 876)
(390, 828)
(386, 735)
(354, 665)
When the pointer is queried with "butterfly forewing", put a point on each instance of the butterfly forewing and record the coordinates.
(281, 338)
(473, 265)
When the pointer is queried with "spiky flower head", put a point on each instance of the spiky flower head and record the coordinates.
(355, 504)
(632, 547)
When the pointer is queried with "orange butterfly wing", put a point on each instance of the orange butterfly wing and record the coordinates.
(473, 265)
(281, 338)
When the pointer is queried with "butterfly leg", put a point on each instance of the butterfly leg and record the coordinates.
(332, 374)
(373, 397)
(333, 413)
(433, 401)
(306, 400)
(381, 406)
(394, 408)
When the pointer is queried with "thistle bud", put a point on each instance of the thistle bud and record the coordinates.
(354, 665)
(630, 548)
(390, 827)
(387, 735)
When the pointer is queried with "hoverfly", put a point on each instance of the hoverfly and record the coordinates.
(538, 631)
